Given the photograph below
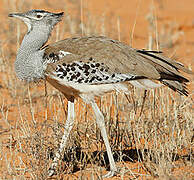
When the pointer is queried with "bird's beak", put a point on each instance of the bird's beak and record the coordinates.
(17, 15)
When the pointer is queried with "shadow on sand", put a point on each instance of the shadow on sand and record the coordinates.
(75, 156)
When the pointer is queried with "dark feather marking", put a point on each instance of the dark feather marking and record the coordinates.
(156, 57)
(150, 51)
(173, 77)
(182, 92)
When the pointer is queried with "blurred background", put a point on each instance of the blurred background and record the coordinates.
(154, 144)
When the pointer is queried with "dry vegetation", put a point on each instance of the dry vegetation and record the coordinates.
(150, 141)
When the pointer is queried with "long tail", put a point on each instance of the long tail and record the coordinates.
(176, 86)
(169, 71)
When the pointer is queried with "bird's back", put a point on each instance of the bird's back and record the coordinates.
(115, 59)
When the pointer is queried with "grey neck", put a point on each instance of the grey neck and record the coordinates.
(29, 63)
(33, 41)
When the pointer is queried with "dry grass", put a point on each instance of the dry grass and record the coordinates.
(153, 142)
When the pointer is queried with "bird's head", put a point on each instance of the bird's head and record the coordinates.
(38, 18)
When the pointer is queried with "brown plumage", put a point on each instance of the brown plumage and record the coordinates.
(119, 58)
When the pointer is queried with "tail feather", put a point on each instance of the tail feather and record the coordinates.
(179, 78)
(169, 71)
(156, 55)
(176, 86)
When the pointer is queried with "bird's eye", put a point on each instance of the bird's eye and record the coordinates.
(39, 16)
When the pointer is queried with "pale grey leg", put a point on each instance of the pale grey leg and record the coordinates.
(67, 130)
(101, 125)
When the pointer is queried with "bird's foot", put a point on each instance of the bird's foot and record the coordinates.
(110, 174)
(52, 170)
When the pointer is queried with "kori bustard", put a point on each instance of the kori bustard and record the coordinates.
(87, 67)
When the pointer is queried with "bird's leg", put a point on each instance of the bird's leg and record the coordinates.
(67, 130)
(101, 125)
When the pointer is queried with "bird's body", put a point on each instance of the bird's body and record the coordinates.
(94, 65)
(91, 66)
(87, 67)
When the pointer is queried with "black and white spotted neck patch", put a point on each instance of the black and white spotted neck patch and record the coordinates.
(55, 57)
